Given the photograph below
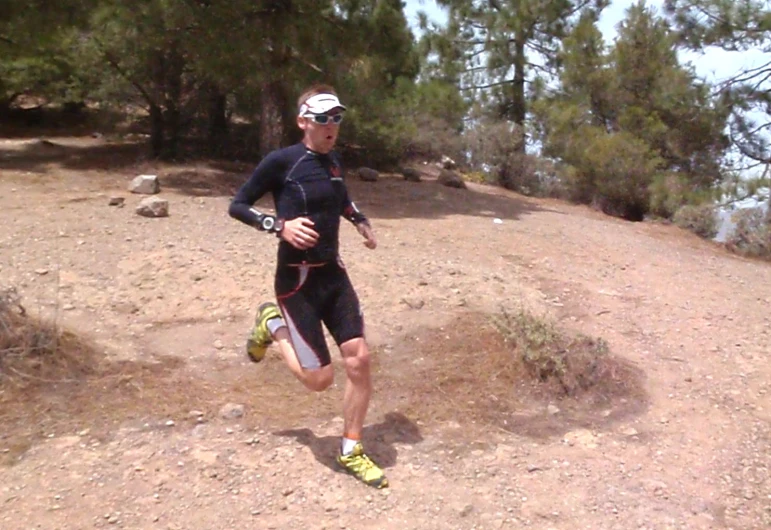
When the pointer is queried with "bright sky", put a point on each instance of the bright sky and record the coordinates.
(715, 64)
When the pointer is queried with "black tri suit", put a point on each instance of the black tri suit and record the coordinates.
(312, 286)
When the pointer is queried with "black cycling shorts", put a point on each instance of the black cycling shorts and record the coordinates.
(310, 295)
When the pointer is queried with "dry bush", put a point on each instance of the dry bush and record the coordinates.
(551, 355)
(752, 234)
(33, 351)
(701, 220)
(493, 146)
(504, 371)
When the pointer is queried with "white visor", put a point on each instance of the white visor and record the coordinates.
(320, 104)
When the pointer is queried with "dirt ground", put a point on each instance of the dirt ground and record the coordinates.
(165, 424)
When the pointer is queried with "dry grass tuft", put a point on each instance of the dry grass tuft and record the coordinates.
(502, 372)
(34, 352)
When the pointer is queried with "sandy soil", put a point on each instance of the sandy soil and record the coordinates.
(174, 428)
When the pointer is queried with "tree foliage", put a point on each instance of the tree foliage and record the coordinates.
(493, 48)
(625, 118)
(527, 92)
(736, 26)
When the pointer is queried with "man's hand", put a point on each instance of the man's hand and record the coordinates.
(366, 231)
(299, 233)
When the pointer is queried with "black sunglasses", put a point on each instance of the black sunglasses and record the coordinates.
(323, 119)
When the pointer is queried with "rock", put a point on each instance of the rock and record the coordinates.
(466, 510)
(413, 303)
(552, 409)
(117, 201)
(629, 431)
(41, 272)
(451, 179)
(145, 185)
(447, 162)
(153, 207)
(368, 175)
(582, 438)
(411, 174)
(218, 344)
(232, 411)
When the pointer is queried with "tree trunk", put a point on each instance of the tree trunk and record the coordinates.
(518, 104)
(292, 133)
(157, 130)
(217, 131)
(154, 97)
(271, 121)
(173, 89)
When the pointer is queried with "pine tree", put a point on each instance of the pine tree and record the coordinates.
(637, 128)
(735, 25)
(494, 48)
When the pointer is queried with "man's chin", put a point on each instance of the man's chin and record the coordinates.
(327, 145)
(323, 146)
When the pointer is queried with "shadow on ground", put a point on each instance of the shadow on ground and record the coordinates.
(379, 440)
(391, 197)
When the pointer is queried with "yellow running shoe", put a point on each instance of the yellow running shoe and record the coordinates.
(260, 337)
(360, 466)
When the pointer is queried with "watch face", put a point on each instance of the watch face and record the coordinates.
(268, 223)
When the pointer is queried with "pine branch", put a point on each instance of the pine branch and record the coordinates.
(748, 151)
(495, 5)
(489, 85)
(747, 75)
(122, 72)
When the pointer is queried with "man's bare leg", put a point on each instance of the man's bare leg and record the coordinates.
(358, 386)
(358, 390)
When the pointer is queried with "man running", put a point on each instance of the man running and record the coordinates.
(311, 283)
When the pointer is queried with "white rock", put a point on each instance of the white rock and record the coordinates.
(145, 184)
(153, 207)
(232, 411)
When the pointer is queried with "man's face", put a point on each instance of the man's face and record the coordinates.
(320, 137)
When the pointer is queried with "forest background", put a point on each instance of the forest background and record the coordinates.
(547, 98)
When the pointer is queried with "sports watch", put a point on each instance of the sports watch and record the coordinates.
(271, 224)
(278, 226)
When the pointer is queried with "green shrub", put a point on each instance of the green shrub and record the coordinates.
(613, 172)
(551, 354)
(622, 168)
(702, 220)
(668, 193)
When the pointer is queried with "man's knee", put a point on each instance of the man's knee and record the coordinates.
(356, 357)
(319, 380)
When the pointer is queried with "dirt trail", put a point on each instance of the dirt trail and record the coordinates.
(149, 446)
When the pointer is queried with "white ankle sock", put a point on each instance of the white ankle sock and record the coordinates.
(348, 445)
